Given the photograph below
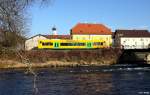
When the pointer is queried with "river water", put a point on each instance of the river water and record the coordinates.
(112, 80)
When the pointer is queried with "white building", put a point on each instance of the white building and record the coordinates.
(32, 42)
(132, 39)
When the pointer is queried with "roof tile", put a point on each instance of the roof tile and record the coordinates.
(87, 28)
(133, 33)
(57, 36)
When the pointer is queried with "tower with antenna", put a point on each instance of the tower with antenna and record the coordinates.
(54, 30)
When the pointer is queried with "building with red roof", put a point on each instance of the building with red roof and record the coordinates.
(89, 31)
(132, 39)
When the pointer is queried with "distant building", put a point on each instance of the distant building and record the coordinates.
(87, 31)
(32, 42)
(132, 39)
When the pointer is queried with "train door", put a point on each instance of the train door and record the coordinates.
(56, 45)
(89, 45)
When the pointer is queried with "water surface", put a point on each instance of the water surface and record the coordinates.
(113, 80)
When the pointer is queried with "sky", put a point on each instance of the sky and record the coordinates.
(65, 14)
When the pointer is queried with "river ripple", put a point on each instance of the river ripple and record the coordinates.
(113, 80)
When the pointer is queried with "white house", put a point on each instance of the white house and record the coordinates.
(132, 39)
(33, 41)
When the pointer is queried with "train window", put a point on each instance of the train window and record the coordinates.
(97, 43)
(72, 44)
(78, 44)
(47, 44)
(81, 44)
(66, 44)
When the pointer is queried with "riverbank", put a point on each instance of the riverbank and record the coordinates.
(59, 58)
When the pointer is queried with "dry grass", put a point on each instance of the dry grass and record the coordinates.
(55, 58)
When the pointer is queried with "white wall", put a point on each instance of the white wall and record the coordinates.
(135, 42)
(33, 42)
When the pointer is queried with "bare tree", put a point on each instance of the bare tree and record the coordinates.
(13, 17)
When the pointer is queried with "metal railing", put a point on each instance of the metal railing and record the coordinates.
(136, 47)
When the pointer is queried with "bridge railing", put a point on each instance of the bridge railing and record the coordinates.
(135, 47)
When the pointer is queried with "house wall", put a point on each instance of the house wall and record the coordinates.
(106, 38)
(135, 42)
(117, 42)
(33, 42)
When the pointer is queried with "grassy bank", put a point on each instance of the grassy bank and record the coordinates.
(56, 58)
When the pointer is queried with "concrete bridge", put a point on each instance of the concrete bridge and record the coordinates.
(148, 58)
(134, 56)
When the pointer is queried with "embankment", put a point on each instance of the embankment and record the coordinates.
(56, 58)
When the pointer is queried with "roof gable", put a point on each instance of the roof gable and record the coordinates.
(35, 36)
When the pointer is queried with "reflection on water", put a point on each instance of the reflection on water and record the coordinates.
(115, 80)
(92, 84)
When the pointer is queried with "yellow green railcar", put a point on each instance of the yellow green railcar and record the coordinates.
(70, 44)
